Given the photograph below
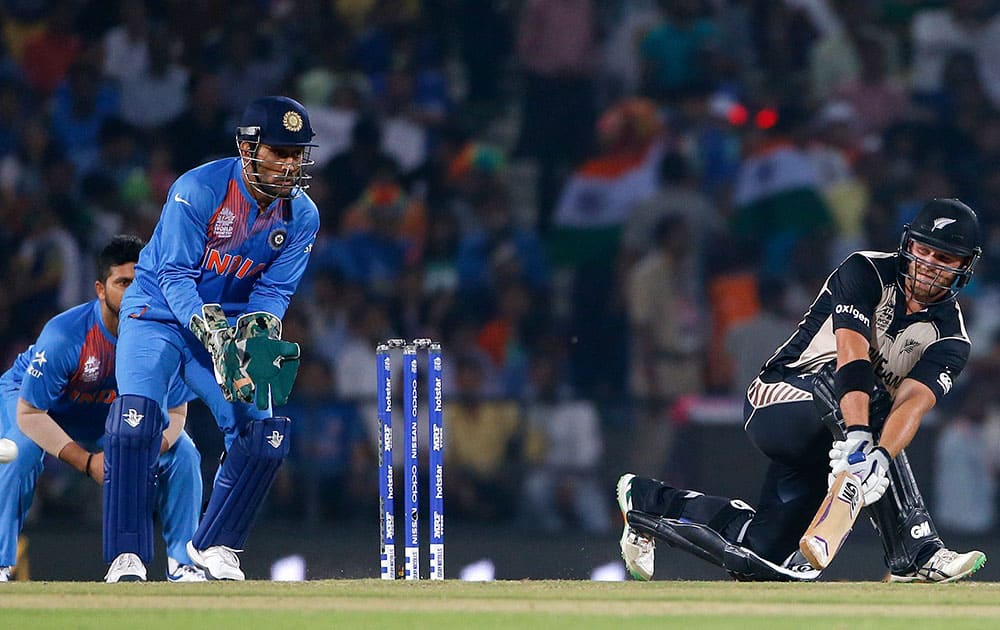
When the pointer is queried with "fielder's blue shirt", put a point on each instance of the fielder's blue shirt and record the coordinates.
(70, 372)
(213, 245)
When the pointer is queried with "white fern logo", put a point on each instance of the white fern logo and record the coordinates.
(942, 223)
(944, 380)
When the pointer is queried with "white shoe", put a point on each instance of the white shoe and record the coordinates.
(218, 562)
(177, 572)
(945, 566)
(127, 567)
(5, 574)
(637, 550)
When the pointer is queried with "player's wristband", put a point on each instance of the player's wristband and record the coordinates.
(86, 467)
(856, 376)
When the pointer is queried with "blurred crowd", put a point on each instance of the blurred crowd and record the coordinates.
(605, 211)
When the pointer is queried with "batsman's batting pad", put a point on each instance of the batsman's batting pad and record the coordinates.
(272, 365)
(902, 521)
(242, 483)
(705, 543)
(131, 448)
(726, 516)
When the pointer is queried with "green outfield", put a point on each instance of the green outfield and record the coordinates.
(504, 604)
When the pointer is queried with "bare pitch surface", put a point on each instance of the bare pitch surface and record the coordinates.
(504, 604)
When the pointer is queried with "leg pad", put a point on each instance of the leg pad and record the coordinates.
(242, 483)
(131, 448)
(902, 520)
(705, 543)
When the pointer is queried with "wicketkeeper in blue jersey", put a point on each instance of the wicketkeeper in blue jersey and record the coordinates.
(55, 399)
(210, 290)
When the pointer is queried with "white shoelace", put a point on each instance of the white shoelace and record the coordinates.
(187, 569)
(645, 544)
(125, 561)
(229, 556)
(943, 556)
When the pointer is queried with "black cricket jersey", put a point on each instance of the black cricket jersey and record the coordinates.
(862, 294)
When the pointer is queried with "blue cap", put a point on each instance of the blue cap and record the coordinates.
(277, 121)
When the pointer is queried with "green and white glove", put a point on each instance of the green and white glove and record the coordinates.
(218, 337)
(270, 363)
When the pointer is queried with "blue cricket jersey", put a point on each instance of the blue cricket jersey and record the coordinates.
(70, 372)
(213, 245)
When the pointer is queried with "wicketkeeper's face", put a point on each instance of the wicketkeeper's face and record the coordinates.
(276, 171)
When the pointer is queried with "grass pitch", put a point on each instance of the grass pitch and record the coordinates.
(577, 605)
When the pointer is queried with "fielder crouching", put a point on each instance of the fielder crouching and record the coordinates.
(881, 344)
(210, 289)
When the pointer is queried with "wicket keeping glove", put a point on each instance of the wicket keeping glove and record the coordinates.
(858, 439)
(271, 363)
(873, 470)
(218, 337)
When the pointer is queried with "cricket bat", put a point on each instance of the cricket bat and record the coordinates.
(833, 521)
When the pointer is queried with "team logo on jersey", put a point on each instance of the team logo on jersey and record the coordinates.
(91, 369)
(224, 223)
(883, 317)
(941, 223)
(944, 380)
(909, 346)
(277, 238)
(40, 358)
(292, 121)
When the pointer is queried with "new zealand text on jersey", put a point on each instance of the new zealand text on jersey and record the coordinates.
(230, 264)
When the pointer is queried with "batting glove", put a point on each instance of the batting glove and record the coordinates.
(858, 440)
(873, 470)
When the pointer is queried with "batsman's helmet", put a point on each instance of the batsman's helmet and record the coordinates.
(276, 121)
(947, 225)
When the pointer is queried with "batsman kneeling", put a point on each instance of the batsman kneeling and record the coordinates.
(210, 290)
(833, 409)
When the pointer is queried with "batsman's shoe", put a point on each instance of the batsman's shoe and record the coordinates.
(177, 572)
(945, 566)
(5, 574)
(637, 550)
(218, 562)
(127, 567)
